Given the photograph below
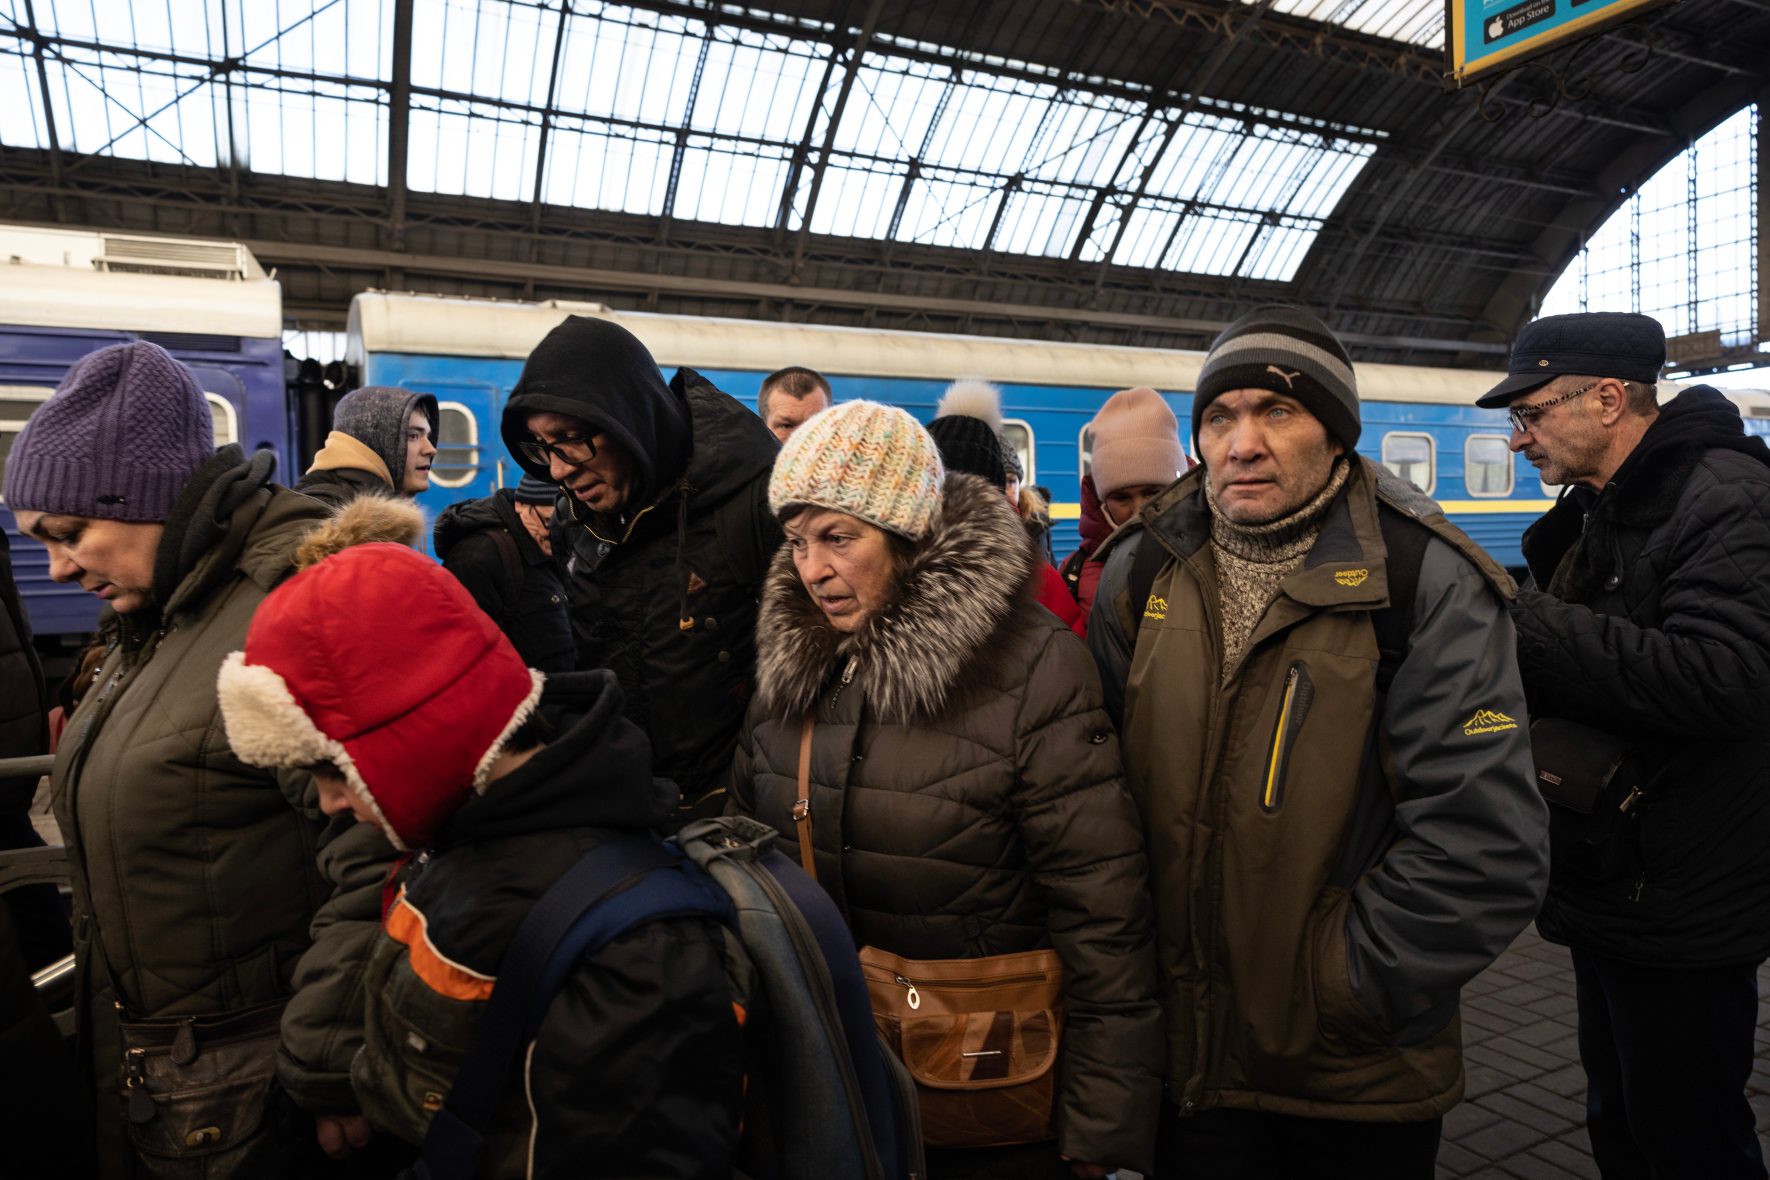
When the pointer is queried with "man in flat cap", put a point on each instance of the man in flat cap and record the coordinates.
(1649, 642)
(1323, 724)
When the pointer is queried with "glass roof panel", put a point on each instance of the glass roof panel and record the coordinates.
(21, 105)
(720, 182)
(593, 167)
(1040, 222)
(472, 150)
(856, 202)
(931, 153)
(489, 48)
(943, 211)
(1418, 22)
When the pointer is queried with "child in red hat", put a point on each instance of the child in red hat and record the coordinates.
(375, 670)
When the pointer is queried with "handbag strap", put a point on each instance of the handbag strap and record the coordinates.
(802, 804)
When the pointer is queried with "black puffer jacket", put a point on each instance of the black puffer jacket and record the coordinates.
(1656, 627)
(637, 1069)
(666, 593)
(486, 546)
(967, 795)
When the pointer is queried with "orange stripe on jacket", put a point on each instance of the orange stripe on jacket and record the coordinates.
(405, 924)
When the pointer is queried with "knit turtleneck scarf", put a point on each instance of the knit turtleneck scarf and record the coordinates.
(1253, 559)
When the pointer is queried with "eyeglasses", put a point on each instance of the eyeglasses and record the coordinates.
(570, 451)
(1524, 418)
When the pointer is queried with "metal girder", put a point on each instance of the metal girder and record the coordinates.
(43, 95)
(399, 122)
(857, 51)
(565, 12)
(802, 150)
(1201, 81)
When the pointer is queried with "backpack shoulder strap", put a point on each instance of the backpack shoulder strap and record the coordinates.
(1406, 541)
(624, 882)
(1146, 563)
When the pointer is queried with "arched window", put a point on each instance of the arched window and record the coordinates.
(1682, 249)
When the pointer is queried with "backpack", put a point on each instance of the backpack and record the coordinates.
(1405, 541)
(849, 1105)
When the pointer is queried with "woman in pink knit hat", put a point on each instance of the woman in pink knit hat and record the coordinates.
(1136, 454)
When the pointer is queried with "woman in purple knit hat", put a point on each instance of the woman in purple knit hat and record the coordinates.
(216, 1031)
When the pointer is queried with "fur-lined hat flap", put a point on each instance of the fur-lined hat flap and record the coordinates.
(377, 660)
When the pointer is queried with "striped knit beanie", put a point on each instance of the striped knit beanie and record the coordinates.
(1288, 351)
(871, 461)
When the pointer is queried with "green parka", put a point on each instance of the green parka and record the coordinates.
(203, 885)
(967, 797)
(1331, 862)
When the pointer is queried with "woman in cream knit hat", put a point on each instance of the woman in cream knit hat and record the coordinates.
(965, 796)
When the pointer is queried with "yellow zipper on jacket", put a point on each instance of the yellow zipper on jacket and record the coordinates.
(1269, 797)
(1293, 706)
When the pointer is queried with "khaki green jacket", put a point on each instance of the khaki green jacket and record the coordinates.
(1331, 864)
(203, 885)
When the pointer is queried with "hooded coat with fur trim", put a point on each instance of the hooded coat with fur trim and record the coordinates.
(967, 797)
(203, 886)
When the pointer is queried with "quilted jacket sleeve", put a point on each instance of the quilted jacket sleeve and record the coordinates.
(1700, 672)
(1085, 844)
(323, 1024)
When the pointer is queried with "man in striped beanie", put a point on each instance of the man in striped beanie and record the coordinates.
(1326, 734)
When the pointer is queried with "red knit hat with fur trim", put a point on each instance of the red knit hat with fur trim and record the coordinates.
(378, 661)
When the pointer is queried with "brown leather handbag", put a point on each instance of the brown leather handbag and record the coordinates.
(979, 1036)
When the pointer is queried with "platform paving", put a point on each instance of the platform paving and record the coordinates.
(1523, 1116)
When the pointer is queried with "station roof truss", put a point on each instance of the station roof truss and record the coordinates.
(1119, 171)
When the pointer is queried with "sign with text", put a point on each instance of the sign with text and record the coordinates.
(1483, 36)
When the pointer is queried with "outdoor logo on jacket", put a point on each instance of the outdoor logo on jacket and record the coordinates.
(1487, 721)
(1156, 608)
(1351, 577)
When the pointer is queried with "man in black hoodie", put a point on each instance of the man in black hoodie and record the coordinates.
(666, 532)
(1652, 627)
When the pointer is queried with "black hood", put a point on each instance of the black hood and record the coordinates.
(599, 372)
(595, 773)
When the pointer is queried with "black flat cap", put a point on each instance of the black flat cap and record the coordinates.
(1617, 344)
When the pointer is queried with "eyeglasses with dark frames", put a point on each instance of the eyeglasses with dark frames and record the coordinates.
(1523, 418)
(570, 451)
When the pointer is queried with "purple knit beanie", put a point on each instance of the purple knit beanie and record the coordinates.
(125, 430)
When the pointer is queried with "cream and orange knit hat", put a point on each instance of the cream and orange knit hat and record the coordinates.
(868, 460)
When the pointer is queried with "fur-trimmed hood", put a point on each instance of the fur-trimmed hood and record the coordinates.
(962, 583)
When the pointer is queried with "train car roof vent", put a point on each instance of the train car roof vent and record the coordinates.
(176, 256)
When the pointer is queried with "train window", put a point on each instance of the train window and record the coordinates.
(457, 446)
(1019, 435)
(1411, 456)
(17, 404)
(227, 419)
(1487, 465)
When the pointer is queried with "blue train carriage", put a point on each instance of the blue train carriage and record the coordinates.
(65, 293)
(1421, 422)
